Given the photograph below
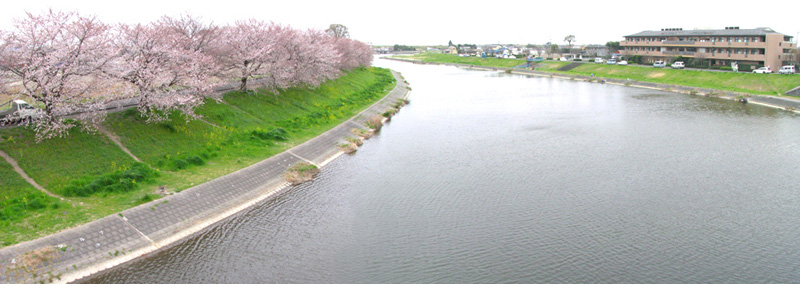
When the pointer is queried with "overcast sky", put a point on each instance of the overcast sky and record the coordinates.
(425, 22)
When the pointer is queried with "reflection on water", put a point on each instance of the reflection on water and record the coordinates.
(491, 178)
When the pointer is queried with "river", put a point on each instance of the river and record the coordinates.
(488, 177)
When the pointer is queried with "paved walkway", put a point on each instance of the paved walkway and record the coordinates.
(114, 239)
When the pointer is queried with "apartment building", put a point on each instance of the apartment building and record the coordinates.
(748, 47)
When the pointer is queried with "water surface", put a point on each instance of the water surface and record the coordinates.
(489, 177)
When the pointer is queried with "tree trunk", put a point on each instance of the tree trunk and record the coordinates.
(243, 86)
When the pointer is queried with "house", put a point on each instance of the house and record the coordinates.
(595, 50)
(452, 50)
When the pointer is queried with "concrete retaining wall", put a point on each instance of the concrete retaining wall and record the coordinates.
(118, 238)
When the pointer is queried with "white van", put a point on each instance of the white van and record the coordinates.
(788, 69)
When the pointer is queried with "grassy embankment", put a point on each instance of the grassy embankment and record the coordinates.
(97, 178)
(760, 84)
(477, 61)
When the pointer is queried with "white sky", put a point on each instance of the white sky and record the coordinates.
(426, 22)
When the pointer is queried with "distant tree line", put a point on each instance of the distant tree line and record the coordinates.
(398, 47)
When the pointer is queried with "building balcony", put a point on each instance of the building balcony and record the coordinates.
(678, 43)
(700, 55)
(639, 43)
(682, 53)
(732, 44)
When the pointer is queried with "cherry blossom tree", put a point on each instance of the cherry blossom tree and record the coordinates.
(313, 58)
(56, 57)
(164, 74)
(71, 64)
(250, 48)
(193, 33)
(354, 54)
(4, 77)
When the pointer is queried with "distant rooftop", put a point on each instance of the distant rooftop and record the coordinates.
(728, 31)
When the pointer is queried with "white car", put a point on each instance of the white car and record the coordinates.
(788, 69)
(563, 59)
(763, 70)
(611, 61)
(659, 64)
(623, 62)
(678, 65)
(598, 60)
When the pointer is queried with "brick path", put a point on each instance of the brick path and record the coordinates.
(114, 239)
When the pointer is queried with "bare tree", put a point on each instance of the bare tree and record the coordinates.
(338, 31)
(700, 58)
(569, 39)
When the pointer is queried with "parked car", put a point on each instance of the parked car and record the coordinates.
(611, 61)
(659, 64)
(678, 65)
(788, 69)
(563, 59)
(19, 111)
(763, 70)
(623, 62)
(598, 60)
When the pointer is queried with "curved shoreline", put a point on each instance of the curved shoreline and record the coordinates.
(112, 240)
(769, 101)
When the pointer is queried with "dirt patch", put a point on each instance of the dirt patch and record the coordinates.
(164, 191)
(366, 134)
(656, 75)
(348, 147)
(300, 173)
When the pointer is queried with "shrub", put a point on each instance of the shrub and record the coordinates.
(389, 113)
(15, 208)
(726, 68)
(118, 181)
(376, 122)
(348, 147)
(195, 160)
(366, 134)
(275, 134)
(169, 127)
(356, 141)
(179, 164)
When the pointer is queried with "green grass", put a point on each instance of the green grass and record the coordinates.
(760, 84)
(477, 61)
(55, 162)
(98, 179)
(166, 145)
(26, 212)
(766, 84)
